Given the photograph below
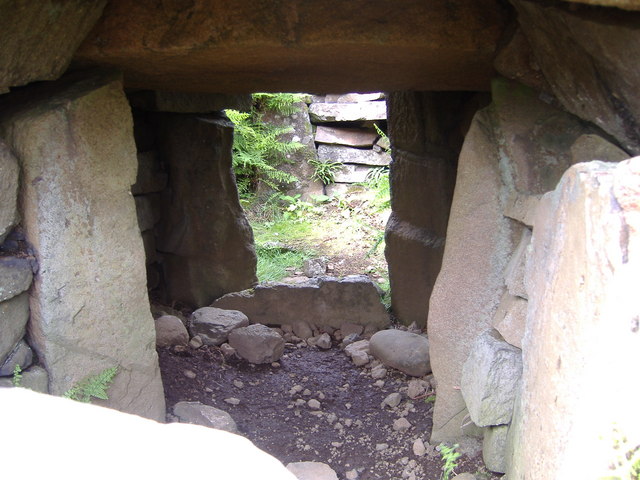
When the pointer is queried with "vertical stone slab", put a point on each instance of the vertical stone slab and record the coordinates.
(470, 284)
(582, 343)
(422, 175)
(8, 191)
(89, 305)
(205, 238)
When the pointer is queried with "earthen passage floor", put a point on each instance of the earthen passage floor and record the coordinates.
(350, 431)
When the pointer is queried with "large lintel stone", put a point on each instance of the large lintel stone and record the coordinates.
(89, 305)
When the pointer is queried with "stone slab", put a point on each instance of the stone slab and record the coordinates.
(348, 112)
(350, 173)
(354, 137)
(337, 153)
(326, 301)
(494, 448)
(89, 304)
(510, 319)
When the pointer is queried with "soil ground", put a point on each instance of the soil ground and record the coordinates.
(351, 430)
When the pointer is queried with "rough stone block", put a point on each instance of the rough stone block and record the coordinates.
(14, 314)
(325, 301)
(338, 153)
(349, 173)
(37, 40)
(150, 178)
(206, 240)
(170, 331)
(490, 380)
(21, 355)
(354, 98)
(353, 137)
(9, 172)
(593, 147)
(89, 304)
(36, 378)
(494, 448)
(583, 325)
(15, 276)
(347, 112)
(521, 207)
(510, 319)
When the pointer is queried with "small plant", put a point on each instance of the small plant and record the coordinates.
(430, 399)
(17, 376)
(324, 171)
(450, 457)
(283, 103)
(92, 387)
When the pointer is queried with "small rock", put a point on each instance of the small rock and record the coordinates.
(198, 414)
(299, 402)
(213, 325)
(321, 395)
(232, 401)
(350, 339)
(348, 422)
(401, 425)
(331, 418)
(312, 471)
(295, 389)
(227, 350)
(196, 342)
(416, 388)
(352, 474)
(275, 364)
(379, 383)
(323, 341)
(380, 447)
(378, 372)
(314, 404)
(418, 448)
(315, 267)
(257, 343)
(404, 351)
(170, 331)
(347, 406)
(392, 400)
(238, 384)
(190, 374)
(360, 358)
(306, 392)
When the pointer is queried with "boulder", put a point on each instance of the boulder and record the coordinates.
(37, 41)
(198, 414)
(603, 69)
(353, 137)
(170, 331)
(404, 351)
(442, 45)
(490, 380)
(150, 177)
(35, 378)
(14, 314)
(204, 235)
(60, 422)
(21, 355)
(348, 112)
(75, 330)
(582, 325)
(8, 190)
(257, 343)
(214, 325)
(312, 471)
(323, 301)
(494, 447)
(341, 154)
(510, 319)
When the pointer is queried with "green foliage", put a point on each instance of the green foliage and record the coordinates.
(430, 399)
(450, 457)
(92, 387)
(17, 376)
(274, 260)
(283, 103)
(324, 171)
(258, 150)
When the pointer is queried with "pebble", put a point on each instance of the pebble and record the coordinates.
(324, 341)
(321, 395)
(392, 400)
(348, 422)
(378, 372)
(352, 474)
(337, 444)
(332, 417)
(238, 384)
(359, 358)
(379, 383)
(418, 448)
(227, 350)
(306, 392)
(295, 389)
(190, 374)
(196, 342)
(232, 401)
(314, 404)
(208, 390)
(401, 425)
(380, 447)
(416, 388)
(338, 426)
(347, 406)
(275, 364)
(299, 402)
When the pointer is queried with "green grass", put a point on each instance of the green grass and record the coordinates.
(273, 262)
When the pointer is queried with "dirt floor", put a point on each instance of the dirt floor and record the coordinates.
(352, 431)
